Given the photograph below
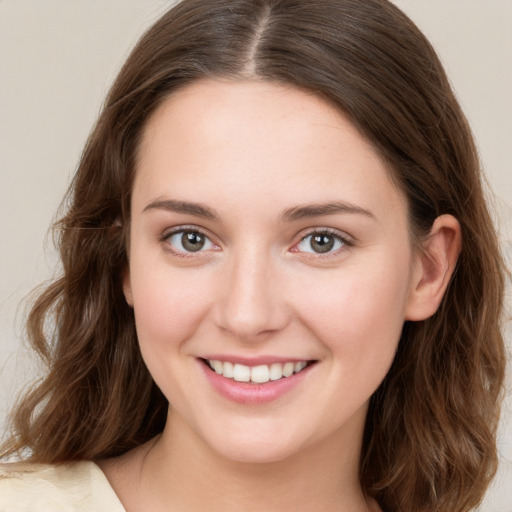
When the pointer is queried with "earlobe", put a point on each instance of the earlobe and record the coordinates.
(436, 262)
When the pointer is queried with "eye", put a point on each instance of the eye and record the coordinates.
(189, 241)
(321, 243)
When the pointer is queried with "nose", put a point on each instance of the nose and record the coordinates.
(252, 300)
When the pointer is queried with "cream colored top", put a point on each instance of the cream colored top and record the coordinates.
(73, 487)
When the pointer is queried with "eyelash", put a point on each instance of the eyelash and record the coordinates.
(342, 239)
(165, 239)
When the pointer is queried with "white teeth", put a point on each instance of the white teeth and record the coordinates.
(227, 369)
(288, 369)
(260, 374)
(217, 366)
(276, 371)
(257, 374)
(299, 366)
(241, 373)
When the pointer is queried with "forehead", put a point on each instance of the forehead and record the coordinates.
(257, 140)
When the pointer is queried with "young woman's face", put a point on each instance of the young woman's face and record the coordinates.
(267, 241)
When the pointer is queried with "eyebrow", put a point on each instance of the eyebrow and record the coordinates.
(293, 214)
(185, 207)
(318, 210)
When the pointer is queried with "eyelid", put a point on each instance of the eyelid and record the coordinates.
(164, 237)
(184, 227)
(347, 241)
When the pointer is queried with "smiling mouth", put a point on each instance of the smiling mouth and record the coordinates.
(256, 374)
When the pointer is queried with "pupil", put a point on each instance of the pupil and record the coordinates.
(192, 242)
(322, 243)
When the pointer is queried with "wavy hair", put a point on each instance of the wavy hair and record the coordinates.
(429, 439)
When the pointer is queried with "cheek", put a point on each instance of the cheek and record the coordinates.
(358, 314)
(168, 311)
(168, 307)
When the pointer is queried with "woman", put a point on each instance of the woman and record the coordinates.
(281, 288)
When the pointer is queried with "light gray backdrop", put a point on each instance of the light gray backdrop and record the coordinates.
(57, 59)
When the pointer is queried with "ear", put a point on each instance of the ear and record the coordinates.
(434, 267)
(127, 286)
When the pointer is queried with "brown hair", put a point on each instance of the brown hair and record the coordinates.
(430, 433)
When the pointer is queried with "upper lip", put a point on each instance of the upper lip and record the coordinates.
(253, 361)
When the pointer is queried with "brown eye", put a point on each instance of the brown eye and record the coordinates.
(321, 243)
(189, 241)
(192, 242)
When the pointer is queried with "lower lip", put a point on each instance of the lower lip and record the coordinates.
(250, 393)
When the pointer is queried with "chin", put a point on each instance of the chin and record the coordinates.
(256, 454)
(256, 448)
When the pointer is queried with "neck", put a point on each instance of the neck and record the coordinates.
(178, 464)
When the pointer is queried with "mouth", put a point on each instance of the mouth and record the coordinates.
(259, 374)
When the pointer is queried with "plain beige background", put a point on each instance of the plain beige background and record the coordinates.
(57, 59)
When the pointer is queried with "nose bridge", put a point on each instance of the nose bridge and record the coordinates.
(252, 301)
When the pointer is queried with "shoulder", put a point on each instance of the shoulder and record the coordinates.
(70, 487)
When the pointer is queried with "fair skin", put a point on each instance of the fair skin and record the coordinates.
(265, 230)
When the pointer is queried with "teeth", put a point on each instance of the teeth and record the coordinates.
(288, 369)
(218, 367)
(260, 374)
(276, 371)
(257, 374)
(227, 369)
(241, 373)
(299, 366)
